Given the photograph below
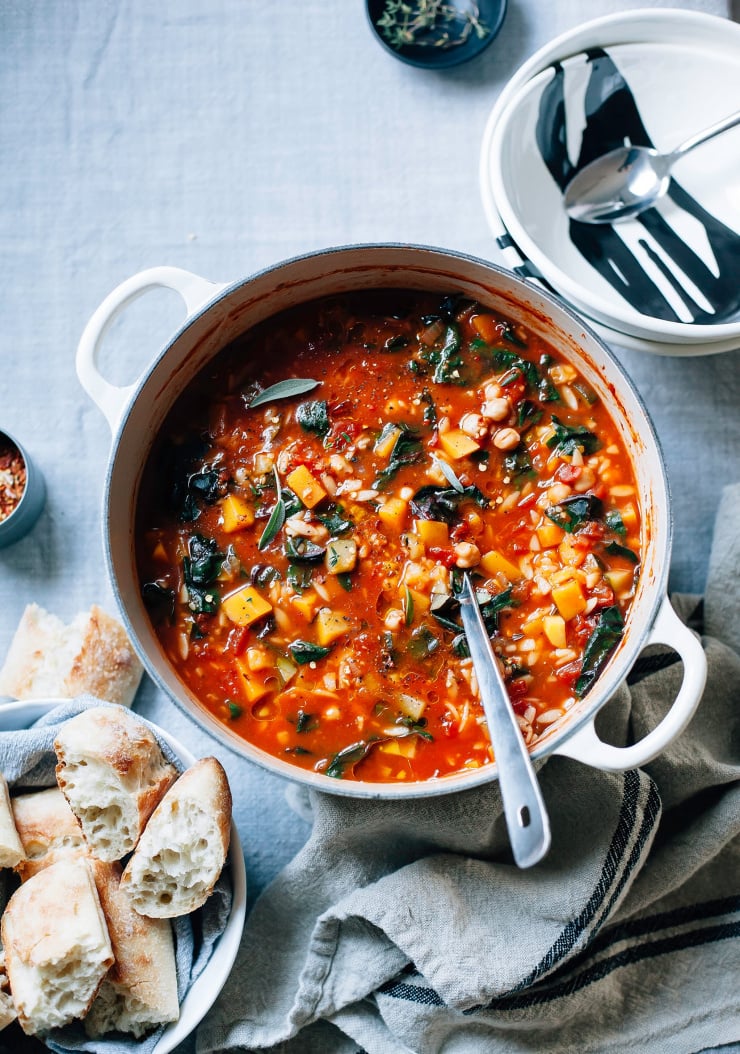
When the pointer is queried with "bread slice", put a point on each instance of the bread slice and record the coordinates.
(7, 1006)
(183, 848)
(56, 946)
(48, 830)
(11, 847)
(140, 991)
(93, 654)
(113, 773)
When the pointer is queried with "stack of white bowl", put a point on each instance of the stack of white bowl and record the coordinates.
(665, 282)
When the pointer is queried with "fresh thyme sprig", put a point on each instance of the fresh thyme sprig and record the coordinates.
(429, 23)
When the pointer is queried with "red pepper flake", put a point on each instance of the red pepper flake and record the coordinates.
(12, 477)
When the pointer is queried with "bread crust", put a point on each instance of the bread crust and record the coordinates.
(142, 982)
(48, 830)
(108, 760)
(167, 876)
(56, 945)
(11, 847)
(93, 654)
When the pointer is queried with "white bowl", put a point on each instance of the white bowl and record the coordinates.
(698, 56)
(203, 992)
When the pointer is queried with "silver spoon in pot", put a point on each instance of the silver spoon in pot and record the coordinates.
(526, 817)
(628, 180)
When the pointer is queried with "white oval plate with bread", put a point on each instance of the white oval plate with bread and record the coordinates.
(204, 990)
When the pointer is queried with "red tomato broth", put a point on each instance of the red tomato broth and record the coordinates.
(548, 521)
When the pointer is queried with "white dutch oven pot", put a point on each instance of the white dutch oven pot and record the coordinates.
(216, 314)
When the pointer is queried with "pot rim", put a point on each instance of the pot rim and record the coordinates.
(611, 677)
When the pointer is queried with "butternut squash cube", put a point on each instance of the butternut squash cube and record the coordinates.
(387, 441)
(393, 513)
(550, 535)
(554, 627)
(457, 444)
(330, 625)
(487, 328)
(341, 556)
(252, 686)
(533, 628)
(305, 605)
(403, 746)
(159, 552)
(305, 486)
(420, 601)
(569, 599)
(432, 532)
(492, 562)
(620, 580)
(245, 606)
(236, 514)
(629, 515)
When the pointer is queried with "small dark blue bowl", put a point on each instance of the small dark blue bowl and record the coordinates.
(27, 511)
(431, 57)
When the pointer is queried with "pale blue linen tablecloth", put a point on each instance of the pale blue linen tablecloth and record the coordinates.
(221, 137)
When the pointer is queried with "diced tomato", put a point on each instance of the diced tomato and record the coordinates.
(442, 554)
(459, 531)
(519, 706)
(236, 642)
(517, 688)
(603, 594)
(569, 674)
(568, 473)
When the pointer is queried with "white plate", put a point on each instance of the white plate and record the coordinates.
(701, 54)
(202, 994)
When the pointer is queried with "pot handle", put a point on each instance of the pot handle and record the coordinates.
(584, 745)
(112, 399)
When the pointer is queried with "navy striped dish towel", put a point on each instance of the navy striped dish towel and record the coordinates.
(405, 927)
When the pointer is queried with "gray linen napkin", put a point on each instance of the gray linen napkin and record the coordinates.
(405, 926)
(27, 761)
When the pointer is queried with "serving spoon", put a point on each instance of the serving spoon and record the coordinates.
(524, 809)
(628, 180)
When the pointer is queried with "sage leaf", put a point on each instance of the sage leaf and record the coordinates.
(284, 390)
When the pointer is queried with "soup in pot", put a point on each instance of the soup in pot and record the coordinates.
(313, 497)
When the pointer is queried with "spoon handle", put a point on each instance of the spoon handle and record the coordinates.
(524, 809)
(702, 137)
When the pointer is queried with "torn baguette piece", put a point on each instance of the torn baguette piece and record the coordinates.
(183, 848)
(140, 991)
(7, 1006)
(93, 654)
(56, 944)
(113, 774)
(11, 847)
(48, 830)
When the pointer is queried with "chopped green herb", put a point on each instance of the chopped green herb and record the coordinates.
(422, 644)
(604, 638)
(430, 410)
(345, 581)
(396, 343)
(615, 549)
(441, 503)
(297, 548)
(299, 576)
(527, 414)
(159, 601)
(408, 606)
(234, 709)
(263, 574)
(313, 417)
(415, 728)
(569, 438)
(298, 751)
(350, 756)
(277, 517)
(448, 362)
(305, 722)
(615, 522)
(571, 512)
(304, 651)
(335, 521)
(517, 462)
(407, 450)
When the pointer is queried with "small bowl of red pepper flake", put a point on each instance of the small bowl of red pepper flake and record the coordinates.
(22, 491)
